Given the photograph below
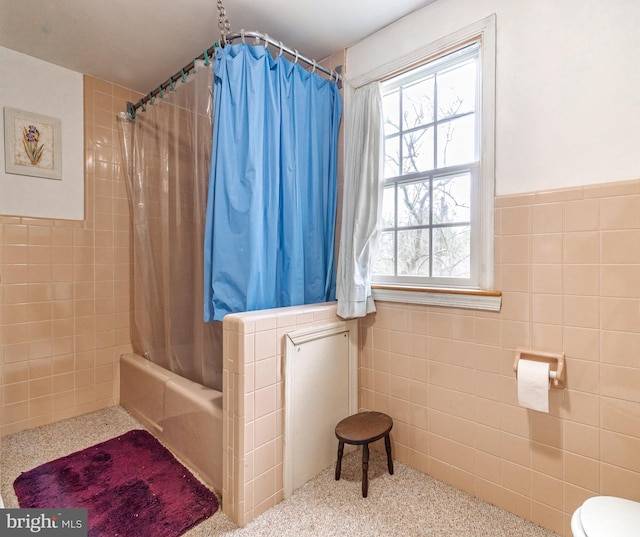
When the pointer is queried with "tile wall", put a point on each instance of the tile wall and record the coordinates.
(64, 288)
(568, 265)
(253, 415)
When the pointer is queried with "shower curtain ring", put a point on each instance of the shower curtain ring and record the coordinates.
(266, 39)
(314, 66)
(281, 47)
(171, 86)
(242, 34)
(296, 58)
(160, 94)
(206, 59)
(184, 77)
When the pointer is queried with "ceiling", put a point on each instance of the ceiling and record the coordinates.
(139, 43)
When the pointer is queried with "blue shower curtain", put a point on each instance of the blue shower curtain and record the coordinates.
(271, 209)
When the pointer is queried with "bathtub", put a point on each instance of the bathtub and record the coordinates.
(185, 416)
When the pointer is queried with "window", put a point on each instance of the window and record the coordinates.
(437, 213)
(431, 147)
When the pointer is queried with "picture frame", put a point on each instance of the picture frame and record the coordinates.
(32, 144)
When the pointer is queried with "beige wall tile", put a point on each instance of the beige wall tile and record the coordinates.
(616, 188)
(620, 348)
(546, 309)
(546, 248)
(12, 373)
(546, 515)
(581, 280)
(621, 382)
(621, 212)
(582, 471)
(621, 281)
(516, 503)
(581, 311)
(582, 376)
(515, 277)
(619, 314)
(618, 481)
(582, 215)
(547, 218)
(15, 393)
(546, 490)
(516, 478)
(515, 334)
(620, 416)
(620, 246)
(546, 336)
(582, 247)
(516, 220)
(547, 460)
(620, 450)
(515, 249)
(516, 306)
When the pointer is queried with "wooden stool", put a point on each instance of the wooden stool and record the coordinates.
(361, 429)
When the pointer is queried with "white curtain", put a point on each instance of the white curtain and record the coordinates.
(362, 200)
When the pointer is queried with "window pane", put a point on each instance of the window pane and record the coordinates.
(451, 252)
(452, 199)
(457, 91)
(391, 107)
(457, 142)
(413, 204)
(388, 207)
(385, 258)
(417, 104)
(417, 151)
(392, 157)
(432, 150)
(413, 252)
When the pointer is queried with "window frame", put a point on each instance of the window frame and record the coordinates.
(451, 60)
(482, 294)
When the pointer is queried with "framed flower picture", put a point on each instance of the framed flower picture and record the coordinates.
(32, 144)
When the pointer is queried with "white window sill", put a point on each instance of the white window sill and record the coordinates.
(475, 299)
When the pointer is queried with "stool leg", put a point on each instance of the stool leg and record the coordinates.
(339, 463)
(387, 446)
(365, 470)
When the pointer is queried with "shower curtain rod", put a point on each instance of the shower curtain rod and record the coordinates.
(337, 74)
(210, 53)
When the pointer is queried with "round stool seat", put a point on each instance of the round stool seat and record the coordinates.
(362, 429)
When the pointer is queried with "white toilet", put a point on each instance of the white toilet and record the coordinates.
(606, 516)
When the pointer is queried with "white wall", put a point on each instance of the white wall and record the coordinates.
(43, 88)
(567, 84)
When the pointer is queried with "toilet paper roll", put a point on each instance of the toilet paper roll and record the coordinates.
(533, 385)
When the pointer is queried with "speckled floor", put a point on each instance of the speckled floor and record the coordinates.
(408, 503)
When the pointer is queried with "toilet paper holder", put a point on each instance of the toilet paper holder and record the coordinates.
(555, 360)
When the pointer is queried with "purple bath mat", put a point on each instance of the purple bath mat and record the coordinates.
(131, 486)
